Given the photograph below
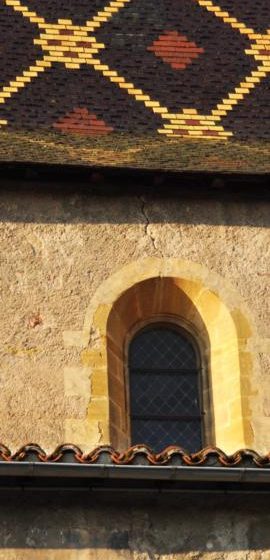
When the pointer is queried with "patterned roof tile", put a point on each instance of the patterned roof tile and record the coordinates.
(165, 85)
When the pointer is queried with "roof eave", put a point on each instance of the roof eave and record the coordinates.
(135, 472)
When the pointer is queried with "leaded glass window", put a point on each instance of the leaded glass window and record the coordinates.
(164, 389)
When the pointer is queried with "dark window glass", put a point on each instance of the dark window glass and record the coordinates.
(164, 390)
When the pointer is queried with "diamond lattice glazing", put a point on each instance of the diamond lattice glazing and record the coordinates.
(164, 389)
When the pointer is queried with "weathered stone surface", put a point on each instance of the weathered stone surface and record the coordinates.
(56, 250)
(67, 526)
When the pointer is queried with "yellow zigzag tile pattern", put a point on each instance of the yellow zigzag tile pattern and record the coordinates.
(73, 45)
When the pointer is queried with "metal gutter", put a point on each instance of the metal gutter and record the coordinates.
(135, 472)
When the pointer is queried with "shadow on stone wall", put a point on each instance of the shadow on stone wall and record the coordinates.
(152, 526)
(44, 205)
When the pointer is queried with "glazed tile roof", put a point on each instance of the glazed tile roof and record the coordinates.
(138, 454)
(172, 84)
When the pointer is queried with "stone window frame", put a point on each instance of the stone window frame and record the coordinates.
(171, 295)
(235, 347)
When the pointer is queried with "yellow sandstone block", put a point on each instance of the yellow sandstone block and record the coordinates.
(98, 408)
(94, 359)
(83, 433)
(99, 384)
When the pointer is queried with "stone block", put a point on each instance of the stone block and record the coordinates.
(99, 383)
(94, 358)
(79, 339)
(98, 409)
(83, 433)
(101, 316)
(77, 381)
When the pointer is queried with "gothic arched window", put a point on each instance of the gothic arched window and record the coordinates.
(165, 395)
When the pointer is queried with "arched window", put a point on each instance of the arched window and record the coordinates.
(165, 393)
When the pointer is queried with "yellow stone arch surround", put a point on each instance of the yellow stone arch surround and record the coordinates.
(191, 295)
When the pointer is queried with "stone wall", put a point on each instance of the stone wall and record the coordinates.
(84, 526)
(56, 251)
